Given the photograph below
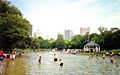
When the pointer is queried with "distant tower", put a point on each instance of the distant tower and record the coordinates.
(37, 34)
(68, 34)
(84, 31)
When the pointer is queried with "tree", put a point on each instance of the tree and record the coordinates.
(114, 29)
(13, 27)
(52, 42)
(107, 40)
(46, 44)
(116, 40)
(79, 41)
(102, 29)
(60, 42)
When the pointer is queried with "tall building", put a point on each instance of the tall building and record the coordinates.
(30, 31)
(68, 34)
(37, 34)
(84, 31)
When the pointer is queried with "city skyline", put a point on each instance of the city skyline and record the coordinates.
(54, 16)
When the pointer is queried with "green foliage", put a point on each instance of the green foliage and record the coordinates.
(108, 40)
(52, 43)
(46, 44)
(115, 51)
(79, 41)
(13, 27)
(60, 42)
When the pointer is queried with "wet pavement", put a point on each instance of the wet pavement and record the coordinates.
(73, 65)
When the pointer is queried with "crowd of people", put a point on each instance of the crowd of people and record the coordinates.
(111, 56)
(10, 55)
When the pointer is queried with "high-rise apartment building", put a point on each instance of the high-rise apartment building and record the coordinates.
(84, 31)
(68, 34)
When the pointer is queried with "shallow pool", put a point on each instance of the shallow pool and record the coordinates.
(73, 65)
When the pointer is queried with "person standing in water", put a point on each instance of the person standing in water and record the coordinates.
(55, 58)
(61, 63)
(97, 55)
(39, 59)
(103, 56)
(111, 60)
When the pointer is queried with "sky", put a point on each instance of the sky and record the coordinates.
(50, 17)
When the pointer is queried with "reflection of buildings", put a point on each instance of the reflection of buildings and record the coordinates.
(30, 31)
(84, 31)
(68, 34)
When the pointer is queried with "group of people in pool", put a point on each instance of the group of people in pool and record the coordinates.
(104, 56)
(55, 60)
(111, 57)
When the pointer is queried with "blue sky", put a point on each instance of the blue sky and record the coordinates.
(50, 17)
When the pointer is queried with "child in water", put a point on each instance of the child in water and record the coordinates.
(39, 59)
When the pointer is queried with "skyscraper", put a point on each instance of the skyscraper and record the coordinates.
(84, 31)
(68, 34)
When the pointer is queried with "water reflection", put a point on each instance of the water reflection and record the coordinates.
(15, 67)
(73, 65)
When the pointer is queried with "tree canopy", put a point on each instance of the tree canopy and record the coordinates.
(13, 27)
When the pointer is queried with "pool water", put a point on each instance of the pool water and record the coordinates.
(73, 65)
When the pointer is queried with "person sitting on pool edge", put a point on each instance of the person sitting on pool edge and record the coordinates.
(61, 63)
(55, 58)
